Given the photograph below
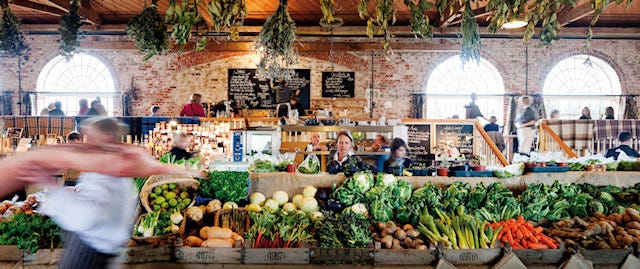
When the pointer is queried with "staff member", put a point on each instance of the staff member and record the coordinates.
(398, 156)
(525, 123)
(344, 154)
(194, 108)
(315, 143)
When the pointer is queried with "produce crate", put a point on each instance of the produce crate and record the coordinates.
(341, 255)
(403, 256)
(158, 239)
(275, 256)
(10, 253)
(608, 256)
(208, 255)
(42, 257)
(145, 254)
(472, 256)
(236, 219)
(541, 256)
(473, 173)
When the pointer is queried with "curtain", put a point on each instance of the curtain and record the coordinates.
(631, 107)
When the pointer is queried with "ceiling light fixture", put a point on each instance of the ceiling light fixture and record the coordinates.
(515, 22)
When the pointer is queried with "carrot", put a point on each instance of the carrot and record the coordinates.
(538, 246)
(546, 240)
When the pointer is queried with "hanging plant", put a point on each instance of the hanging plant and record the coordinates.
(384, 15)
(184, 17)
(149, 31)
(471, 44)
(504, 10)
(275, 45)
(228, 14)
(12, 42)
(329, 18)
(599, 6)
(419, 20)
(69, 25)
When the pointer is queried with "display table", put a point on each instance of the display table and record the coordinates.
(293, 183)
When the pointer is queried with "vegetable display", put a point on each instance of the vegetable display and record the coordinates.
(156, 223)
(262, 166)
(458, 230)
(278, 229)
(30, 232)
(168, 197)
(228, 186)
(521, 234)
(349, 229)
(392, 236)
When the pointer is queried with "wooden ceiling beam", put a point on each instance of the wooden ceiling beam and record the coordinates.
(38, 7)
(204, 12)
(451, 12)
(91, 15)
(477, 13)
(569, 14)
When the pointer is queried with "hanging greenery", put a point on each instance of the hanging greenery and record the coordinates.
(12, 42)
(504, 10)
(275, 45)
(184, 17)
(419, 20)
(329, 18)
(471, 44)
(383, 16)
(69, 26)
(228, 14)
(149, 31)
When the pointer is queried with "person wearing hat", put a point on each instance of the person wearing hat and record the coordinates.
(624, 141)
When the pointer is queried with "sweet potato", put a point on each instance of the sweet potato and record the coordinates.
(600, 215)
(237, 237)
(635, 215)
(626, 218)
(193, 241)
(627, 239)
(633, 232)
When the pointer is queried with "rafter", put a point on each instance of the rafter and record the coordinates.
(204, 12)
(477, 13)
(38, 7)
(569, 14)
(451, 12)
(92, 16)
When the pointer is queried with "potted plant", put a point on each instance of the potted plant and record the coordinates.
(442, 169)
(476, 163)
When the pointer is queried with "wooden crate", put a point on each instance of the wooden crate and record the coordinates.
(541, 256)
(341, 255)
(10, 253)
(403, 256)
(144, 254)
(472, 256)
(208, 255)
(609, 256)
(276, 256)
(42, 257)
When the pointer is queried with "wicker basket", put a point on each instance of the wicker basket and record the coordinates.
(158, 239)
(236, 219)
(159, 180)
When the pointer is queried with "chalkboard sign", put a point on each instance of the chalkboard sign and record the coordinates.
(459, 136)
(419, 142)
(338, 84)
(250, 91)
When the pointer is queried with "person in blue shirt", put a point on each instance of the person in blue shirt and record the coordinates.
(492, 125)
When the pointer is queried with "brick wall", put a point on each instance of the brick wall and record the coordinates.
(169, 80)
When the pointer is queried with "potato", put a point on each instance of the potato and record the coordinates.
(220, 233)
(400, 234)
(633, 232)
(413, 233)
(204, 232)
(193, 241)
(407, 227)
(217, 243)
(633, 225)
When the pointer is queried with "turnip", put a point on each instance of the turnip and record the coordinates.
(281, 197)
(309, 191)
(257, 198)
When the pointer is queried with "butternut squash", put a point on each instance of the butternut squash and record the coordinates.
(217, 243)
(221, 233)
(193, 241)
(204, 232)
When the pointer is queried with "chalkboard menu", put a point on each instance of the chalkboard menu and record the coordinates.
(419, 142)
(459, 136)
(250, 91)
(338, 84)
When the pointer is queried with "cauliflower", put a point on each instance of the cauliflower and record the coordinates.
(358, 208)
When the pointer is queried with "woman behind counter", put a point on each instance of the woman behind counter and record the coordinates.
(194, 108)
(398, 157)
(344, 155)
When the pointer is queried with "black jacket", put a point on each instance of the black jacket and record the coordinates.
(615, 152)
(180, 153)
(387, 165)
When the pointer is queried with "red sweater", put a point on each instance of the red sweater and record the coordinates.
(192, 110)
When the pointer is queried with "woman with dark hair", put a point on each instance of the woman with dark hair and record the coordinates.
(398, 157)
(194, 108)
(609, 114)
(586, 114)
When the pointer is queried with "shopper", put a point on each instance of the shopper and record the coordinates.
(525, 123)
(194, 107)
(74, 137)
(45, 111)
(555, 114)
(84, 107)
(155, 111)
(586, 114)
(180, 146)
(609, 114)
(472, 110)
(624, 145)
(315, 145)
(492, 126)
(57, 111)
(97, 109)
(398, 156)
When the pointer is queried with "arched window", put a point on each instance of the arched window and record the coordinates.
(450, 85)
(582, 81)
(84, 76)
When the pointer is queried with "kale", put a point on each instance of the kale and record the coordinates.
(30, 232)
(228, 186)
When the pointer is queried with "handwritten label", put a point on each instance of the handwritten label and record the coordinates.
(419, 142)
(338, 84)
(459, 136)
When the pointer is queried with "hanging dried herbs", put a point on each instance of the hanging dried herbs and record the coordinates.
(149, 31)
(184, 17)
(275, 45)
(419, 20)
(12, 42)
(383, 16)
(471, 44)
(228, 14)
(69, 26)
(504, 10)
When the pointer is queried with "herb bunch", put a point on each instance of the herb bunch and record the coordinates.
(275, 45)
(12, 42)
(149, 31)
(69, 26)
(228, 14)
(30, 232)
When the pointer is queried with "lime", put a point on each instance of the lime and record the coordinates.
(170, 195)
(157, 190)
(153, 195)
(172, 186)
(165, 205)
(153, 202)
(186, 201)
(179, 200)
(156, 207)
(173, 203)
(165, 186)
(160, 200)
(184, 190)
(184, 194)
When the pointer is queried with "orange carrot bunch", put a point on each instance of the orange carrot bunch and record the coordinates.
(520, 234)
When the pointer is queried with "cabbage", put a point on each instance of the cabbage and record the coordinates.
(309, 191)
(309, 205)
(281, 197)
(257, 198)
